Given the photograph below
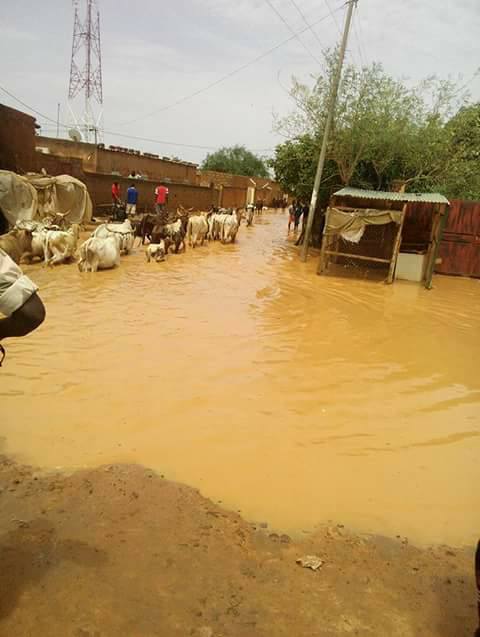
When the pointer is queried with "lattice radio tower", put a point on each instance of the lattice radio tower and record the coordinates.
(86, 73)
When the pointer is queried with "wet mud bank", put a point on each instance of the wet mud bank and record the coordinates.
(119, 550)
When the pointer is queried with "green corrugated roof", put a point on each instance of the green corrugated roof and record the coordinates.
(408, 197)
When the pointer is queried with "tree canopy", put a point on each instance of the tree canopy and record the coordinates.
(384, 131)
(236, 160)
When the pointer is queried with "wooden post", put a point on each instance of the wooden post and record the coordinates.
(437, 234)
(328, 124)
(396, 247)
(321, 263)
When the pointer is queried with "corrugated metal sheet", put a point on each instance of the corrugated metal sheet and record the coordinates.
(409, 197)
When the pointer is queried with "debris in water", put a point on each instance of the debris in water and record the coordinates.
(310, 561)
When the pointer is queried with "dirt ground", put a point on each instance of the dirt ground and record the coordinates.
(121, 551)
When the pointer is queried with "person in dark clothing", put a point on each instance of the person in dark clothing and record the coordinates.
(298, 215)
(305, 210)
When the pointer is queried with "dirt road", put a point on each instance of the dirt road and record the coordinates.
(119, 551)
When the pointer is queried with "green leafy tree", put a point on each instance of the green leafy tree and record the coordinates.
(383, 132)
(236, 160)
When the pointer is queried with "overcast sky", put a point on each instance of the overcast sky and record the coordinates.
(157, 52)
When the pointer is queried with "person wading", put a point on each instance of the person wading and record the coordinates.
(161, 200)
(132, 198)
(116, 201)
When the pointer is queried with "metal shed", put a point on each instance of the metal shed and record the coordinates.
(354, 213)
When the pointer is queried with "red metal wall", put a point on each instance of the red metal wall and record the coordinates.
(460, 247)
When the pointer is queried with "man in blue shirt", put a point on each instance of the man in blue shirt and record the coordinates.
(132, 198)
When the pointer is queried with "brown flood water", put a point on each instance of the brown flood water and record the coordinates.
(291, 397)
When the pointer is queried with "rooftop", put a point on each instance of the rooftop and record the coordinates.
(384, 195)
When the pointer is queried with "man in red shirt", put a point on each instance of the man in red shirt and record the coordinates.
(115, 193)
(161, 198)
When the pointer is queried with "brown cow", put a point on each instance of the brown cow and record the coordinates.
(16, 243)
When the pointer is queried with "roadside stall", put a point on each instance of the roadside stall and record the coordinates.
(394, 230)
(34, 196)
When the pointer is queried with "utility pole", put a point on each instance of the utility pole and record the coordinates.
(326, 132)
(58, 119)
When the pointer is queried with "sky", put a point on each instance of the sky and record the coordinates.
(156, 54)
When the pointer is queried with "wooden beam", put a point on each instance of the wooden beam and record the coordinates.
(437, 238)
(396, 247)
(321, 262)
(356, 256)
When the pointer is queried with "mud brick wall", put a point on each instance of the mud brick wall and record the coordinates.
(17, 140)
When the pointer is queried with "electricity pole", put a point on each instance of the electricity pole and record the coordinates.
(326, 132)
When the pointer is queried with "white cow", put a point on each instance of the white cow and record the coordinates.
(99, 253)
(250, 214)
(217, 220)
(123, 230)
(197, 230)
(39, 231)
(230, 227)
(60, 245)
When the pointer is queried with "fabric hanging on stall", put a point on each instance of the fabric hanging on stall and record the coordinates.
(33, 196)
(351, 225)
(18, 198)
(62, 195)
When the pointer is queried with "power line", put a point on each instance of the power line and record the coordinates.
(191, 95)
(334, 17)
(114, 133)
(306, 22)
(362, 39)
(231, 73)
(307, 49)
(357, 37)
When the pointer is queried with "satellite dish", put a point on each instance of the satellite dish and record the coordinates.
(75, 135)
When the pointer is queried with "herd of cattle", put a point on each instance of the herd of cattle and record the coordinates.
(43, 240)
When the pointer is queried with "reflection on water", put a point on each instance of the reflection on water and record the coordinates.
(237, 370)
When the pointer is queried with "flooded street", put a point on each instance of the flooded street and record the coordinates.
(290, 397)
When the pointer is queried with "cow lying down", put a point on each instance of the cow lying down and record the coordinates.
(100, 253)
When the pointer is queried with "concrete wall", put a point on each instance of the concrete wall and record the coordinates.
(17, 140)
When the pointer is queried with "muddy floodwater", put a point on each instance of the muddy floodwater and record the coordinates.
(293, 398)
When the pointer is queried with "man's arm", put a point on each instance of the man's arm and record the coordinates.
(24, 320)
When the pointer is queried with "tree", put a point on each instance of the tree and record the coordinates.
(236, 160)
(383, 132)
(295, 163)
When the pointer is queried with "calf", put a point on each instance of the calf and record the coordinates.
(156, 251)
(172, 231)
